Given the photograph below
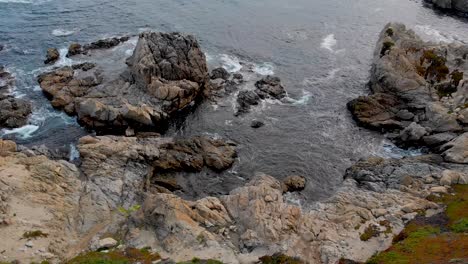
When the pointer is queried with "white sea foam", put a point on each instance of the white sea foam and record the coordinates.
(303, 100)
(74, 153)
(433, 34)
(265, 68)
(63, 60)
(231, 63)
(23, 132)
(62, 32)
(328, 42)
(389, 150)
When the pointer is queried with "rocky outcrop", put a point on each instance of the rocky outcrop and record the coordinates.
(166, 74)
(418, 89)
(38, 201)
(119, 176)
(452, 5)
(76, 48)
(14, 112)
(269, 87)
(52, 56)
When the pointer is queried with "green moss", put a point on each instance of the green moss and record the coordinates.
(34, 234)
(370, 232)
(387, 45)
(280, 258)
(437, 68)
(201, 261)
(127, 256)
(389, 31)
(389, 257)
(457, 76)
(421, 242)
(461, 226)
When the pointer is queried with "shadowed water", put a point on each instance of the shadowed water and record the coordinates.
(321, 50)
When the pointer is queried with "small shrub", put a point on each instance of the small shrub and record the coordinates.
(34, 234)
(461, 226)
(370, 232)
(387, 45)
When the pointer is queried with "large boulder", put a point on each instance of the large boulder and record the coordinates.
(14, 112)
(417, 88)
(457, 150)
(166, 74)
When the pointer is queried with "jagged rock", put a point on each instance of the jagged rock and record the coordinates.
(267, 87)
(76, 48)
(167, 73)
(14, 112)
(294, 183)
(412, 83)
(245, 99)
(270, 87)
(377, 174)
(52, 56)
(220, 73)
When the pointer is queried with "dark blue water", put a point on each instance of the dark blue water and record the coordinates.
(320, 49)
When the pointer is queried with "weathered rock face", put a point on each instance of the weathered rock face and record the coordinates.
(267, 88)
(38, 199)
(418, 88)
(167, 73)
(119, 169)
(456, 151)
(453, 5)
(14, 112)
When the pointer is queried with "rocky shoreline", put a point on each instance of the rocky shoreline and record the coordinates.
(460, 6)
(126, 193)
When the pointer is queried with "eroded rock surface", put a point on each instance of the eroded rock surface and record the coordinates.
(418, 89)
(166, 74)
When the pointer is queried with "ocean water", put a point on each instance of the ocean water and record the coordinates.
(321, 50)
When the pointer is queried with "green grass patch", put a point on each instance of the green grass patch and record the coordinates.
(127, 256)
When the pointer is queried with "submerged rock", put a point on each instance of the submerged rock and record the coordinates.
(166, 74)
(294, 183)
(416, 86)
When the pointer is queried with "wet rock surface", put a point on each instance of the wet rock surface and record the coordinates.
(418, 89)
(166, 74)
(52, 56)
(14, 112)
(269, 87)
(77, 48)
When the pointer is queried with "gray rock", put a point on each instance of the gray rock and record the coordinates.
(405, 115)
(413, 132)
(456, 150)
(153, 87)
(439, 138)
(220, 73)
